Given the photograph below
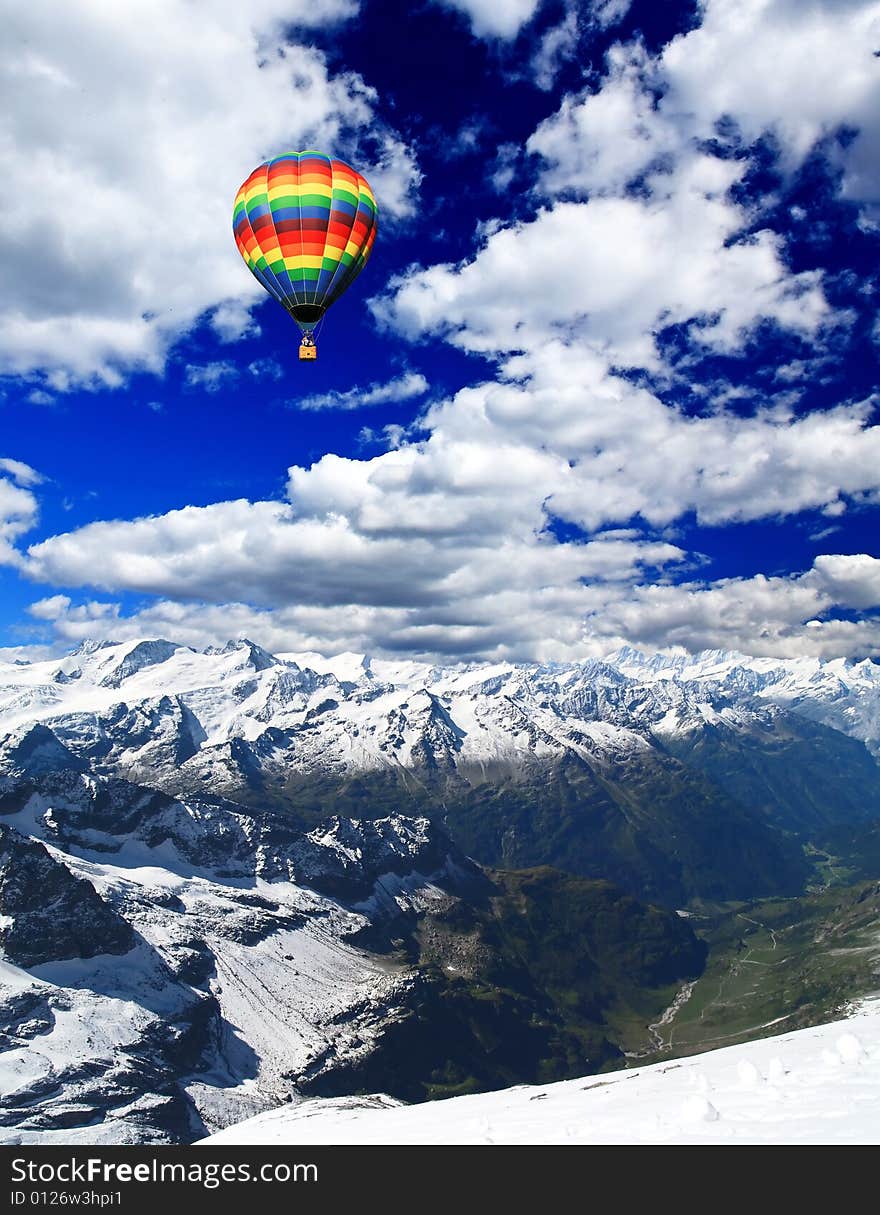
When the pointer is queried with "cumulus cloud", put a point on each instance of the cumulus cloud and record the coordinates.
(598, 142)
(783, 617)
(611, 450)
(612, 272)
(852, 580)
(53, 607)
(800, 72)
(126, 132)
(18, 507)
(279, 554)
(401, 388)
(232, 321)
(777, 617)
(266, 369)
(452, 544)
(639, 230)
(495, 18)
(559, 44)
(606, 13)
(534, 517)
(503, 19)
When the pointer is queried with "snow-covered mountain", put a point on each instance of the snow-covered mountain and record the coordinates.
(167, 967)
(164, 710)
(223, 873)
(153, 707)
(838, 692)
(637, 768)
(815, 1086)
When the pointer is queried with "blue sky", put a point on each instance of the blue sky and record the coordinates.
(610, 375)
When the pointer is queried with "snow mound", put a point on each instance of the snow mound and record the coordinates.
(822, 1087)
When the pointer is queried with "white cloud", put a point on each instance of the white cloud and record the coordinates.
(619, 451)
(557, 45)
(597, 142)
(55, 607)
(798, 71)
(232, 321)
(18, 514)
(126, 131)
(588, 284)
(606, 13)
(495, 18)
(505, 168)
(613, 269)
(449, 546)
(447, 554)
(266, 369)
(211, 376)
(392, 172)
(28, 653)
(611, 272)
(852, 580)
(20, 472)
(774, 616)
(319, 552)
(402, 388)
(778, 617)
(389, 437)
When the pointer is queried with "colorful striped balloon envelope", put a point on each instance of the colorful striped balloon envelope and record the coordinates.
(305, 224)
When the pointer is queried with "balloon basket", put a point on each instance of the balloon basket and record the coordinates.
(308, 352)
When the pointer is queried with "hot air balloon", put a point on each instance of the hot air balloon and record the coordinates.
(305, 224)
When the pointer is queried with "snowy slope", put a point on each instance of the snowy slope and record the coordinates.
(167, 968)
(815, 1086)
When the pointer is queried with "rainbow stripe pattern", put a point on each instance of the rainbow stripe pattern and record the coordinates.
(305, 224)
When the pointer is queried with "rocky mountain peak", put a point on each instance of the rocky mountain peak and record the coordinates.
(34, 750)
(254, 655)
(143, 654)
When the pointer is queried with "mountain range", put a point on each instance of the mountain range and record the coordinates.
(675, 777)
(230, 878)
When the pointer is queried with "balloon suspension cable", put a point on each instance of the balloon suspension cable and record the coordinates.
(308, 349)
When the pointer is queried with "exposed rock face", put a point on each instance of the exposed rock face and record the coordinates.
(34, 750)
(48, 914)
(343, 857)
